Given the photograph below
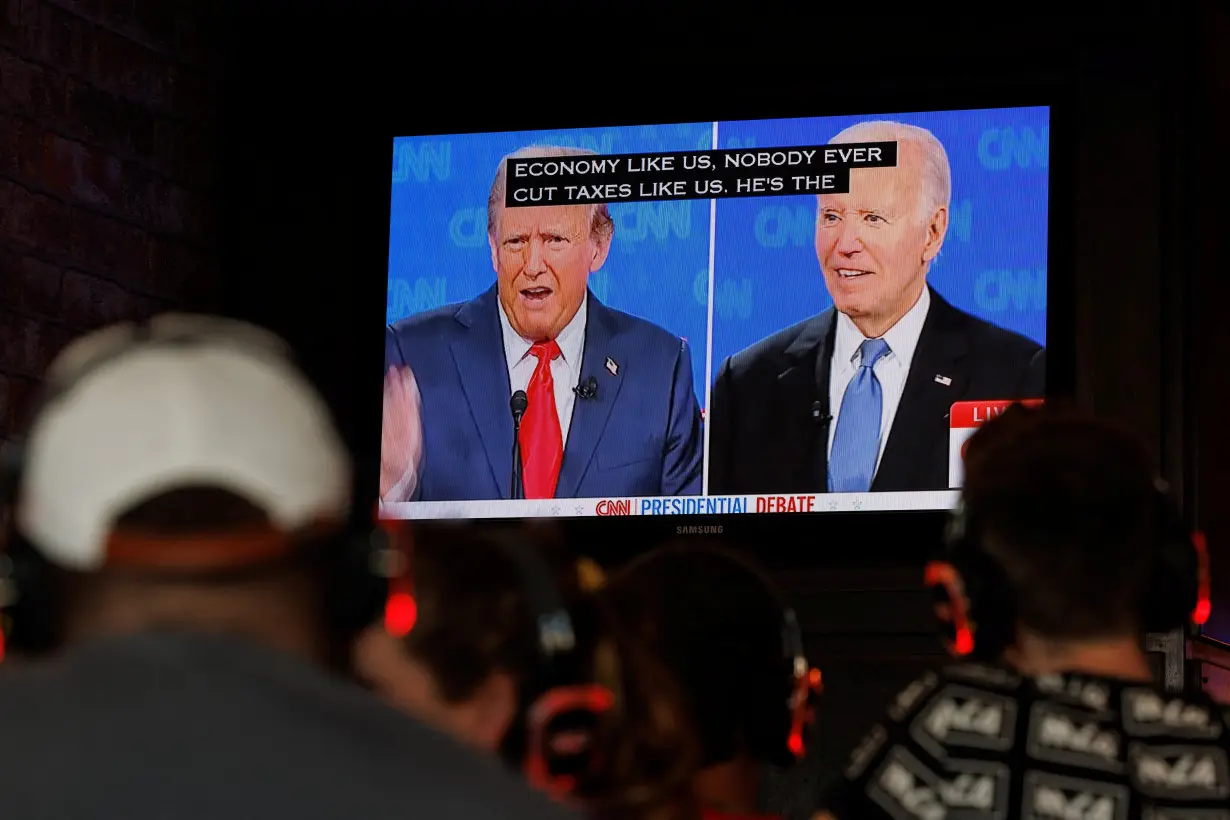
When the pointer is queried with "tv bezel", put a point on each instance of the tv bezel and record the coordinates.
(846, 538)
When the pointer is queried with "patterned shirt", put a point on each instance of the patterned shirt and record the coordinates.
(977, 742)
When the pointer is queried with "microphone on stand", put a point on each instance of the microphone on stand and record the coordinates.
(517, 405)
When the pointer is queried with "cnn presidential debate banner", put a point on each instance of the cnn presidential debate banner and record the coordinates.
(762, 248)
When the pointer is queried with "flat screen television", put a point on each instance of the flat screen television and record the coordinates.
(714, 322)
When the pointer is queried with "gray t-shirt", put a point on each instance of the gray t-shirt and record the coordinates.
(192, 727)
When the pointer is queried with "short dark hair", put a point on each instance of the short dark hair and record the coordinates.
(474, 619)
(302, 587)
(1068, 506)
(473, 616)
(716, 621)
(191, 511)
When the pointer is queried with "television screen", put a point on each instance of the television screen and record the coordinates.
(731, 317)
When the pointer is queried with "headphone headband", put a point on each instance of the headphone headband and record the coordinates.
(778, 733)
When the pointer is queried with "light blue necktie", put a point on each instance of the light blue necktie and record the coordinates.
(856, 443)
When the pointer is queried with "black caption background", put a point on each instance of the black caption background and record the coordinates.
(646, 177)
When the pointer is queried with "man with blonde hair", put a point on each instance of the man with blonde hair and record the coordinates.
(601, 403)
(857, 398)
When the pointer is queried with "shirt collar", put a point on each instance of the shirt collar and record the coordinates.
(902, 337)
(571, 339)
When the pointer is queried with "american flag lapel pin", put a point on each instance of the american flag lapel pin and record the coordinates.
(944, 380)
(612, 366)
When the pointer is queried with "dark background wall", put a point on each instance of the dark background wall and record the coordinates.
(1140, 220)
(1207, 187)
(125, 188)
(109, 144)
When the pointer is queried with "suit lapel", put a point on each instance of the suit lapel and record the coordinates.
(926, 400)
(802, 382)
(590, 416)
(483, 373)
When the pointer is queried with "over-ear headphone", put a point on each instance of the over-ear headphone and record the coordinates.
(30, 605)
(776, 734)
(806, 686)
(781, 708)
(555, 737)
(29, 600)
(981, 618)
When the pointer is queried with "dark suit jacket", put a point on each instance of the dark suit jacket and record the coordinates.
(639, 436)
(769, 408)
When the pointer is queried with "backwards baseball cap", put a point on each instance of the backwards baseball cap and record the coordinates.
(132, 412)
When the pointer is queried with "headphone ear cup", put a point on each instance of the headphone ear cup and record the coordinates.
(12, 459)
(942, 595)
(1174, 585)
(31, 595)
(782, 755)
(767, 731)
(30, 614)
(989, 611)
(356, 587)
(992, 616)
(767, 706)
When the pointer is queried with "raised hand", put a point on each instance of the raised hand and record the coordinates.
(401, 439)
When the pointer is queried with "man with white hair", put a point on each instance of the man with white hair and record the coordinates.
(606, 404)
(857, 398)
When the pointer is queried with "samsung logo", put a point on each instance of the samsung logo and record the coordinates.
(696, 530)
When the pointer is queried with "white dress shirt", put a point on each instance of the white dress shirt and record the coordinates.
(565, 368)
(891, 369)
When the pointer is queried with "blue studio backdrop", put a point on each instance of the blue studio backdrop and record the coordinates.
(438, 254)
(993, 263)
(766, 275)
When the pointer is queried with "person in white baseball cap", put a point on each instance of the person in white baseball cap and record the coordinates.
(173, 582)
(186, 447)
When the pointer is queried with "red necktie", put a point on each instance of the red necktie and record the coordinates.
(542, 444)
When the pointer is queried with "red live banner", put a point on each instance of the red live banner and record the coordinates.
(964, 419)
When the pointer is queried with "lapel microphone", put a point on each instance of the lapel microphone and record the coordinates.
(818, 416)
(587, 389)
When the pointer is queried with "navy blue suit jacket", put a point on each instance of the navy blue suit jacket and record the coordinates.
(769, 408)
(639, 436)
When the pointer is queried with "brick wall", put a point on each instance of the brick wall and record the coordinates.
(108, 172)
